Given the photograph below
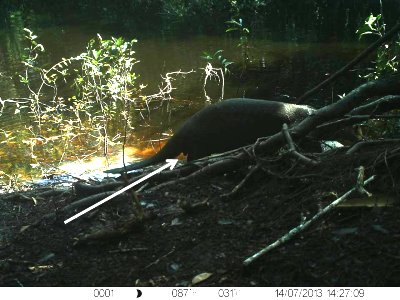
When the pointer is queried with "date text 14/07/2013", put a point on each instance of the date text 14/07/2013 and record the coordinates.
(319, 293)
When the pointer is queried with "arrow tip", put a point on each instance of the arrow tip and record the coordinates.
(172, 162)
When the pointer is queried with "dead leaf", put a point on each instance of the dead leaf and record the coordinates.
(200, 278)
(23, 228)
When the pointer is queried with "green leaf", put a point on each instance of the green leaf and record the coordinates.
(231, 29)
(233, 22)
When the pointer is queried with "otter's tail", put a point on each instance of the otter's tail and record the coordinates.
(170, 150)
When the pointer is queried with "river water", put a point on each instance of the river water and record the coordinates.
(279, 68)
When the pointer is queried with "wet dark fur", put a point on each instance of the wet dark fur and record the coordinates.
(224, 126)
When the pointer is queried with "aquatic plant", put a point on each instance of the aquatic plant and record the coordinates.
(388, 55)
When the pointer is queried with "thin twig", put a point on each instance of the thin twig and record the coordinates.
(158, 259)
(242, 182)
(292, 148)
(302, 226)
(390, 172)
(360, 182)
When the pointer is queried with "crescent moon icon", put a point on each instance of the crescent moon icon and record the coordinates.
(139, 293)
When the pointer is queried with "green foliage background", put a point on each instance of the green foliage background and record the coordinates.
(313, 19)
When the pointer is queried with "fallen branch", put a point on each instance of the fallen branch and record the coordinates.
(39, 192)
(378, 106)
(355, 148)
(304, 225)
(83, 189)
(380, 87)
(87, 201)
(341, 128)
(77, 204)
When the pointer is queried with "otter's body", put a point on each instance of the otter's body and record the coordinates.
(224, 126)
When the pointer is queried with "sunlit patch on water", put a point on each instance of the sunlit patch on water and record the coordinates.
(88, 169)
(94, 167)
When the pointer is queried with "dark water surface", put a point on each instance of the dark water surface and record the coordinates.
(278, 68)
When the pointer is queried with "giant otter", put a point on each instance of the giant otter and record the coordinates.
(224, 126)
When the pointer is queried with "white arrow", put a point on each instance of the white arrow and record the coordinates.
(170, 164)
